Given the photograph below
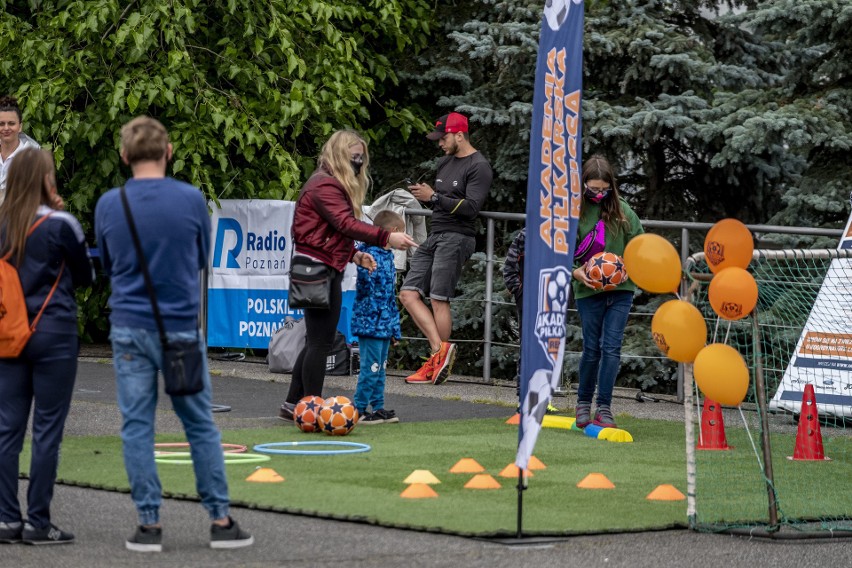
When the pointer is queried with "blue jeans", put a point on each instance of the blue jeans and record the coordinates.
(371, 379)
(603, 317)
(42, 376)
(138, 355)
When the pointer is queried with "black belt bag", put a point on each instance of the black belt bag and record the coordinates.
(310, 284)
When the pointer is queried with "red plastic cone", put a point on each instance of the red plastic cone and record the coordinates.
(712, 427)
(809, 435)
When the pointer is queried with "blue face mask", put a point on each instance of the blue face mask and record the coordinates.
(596, 197)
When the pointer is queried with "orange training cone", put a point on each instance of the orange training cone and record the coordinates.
(535, 463)
(514, 419)
(809, 435)
(265, 475)
(596, 481)
(467, 465)
(511, 470)
(666, 492)
(482, 481)
(712, 427)
(418, 491)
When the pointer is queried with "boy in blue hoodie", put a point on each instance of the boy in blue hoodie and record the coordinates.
(375, 320)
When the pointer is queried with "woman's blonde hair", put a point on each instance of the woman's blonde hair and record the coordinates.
(334, 158)
(25, 191)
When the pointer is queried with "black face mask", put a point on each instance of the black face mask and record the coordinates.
(356, 165)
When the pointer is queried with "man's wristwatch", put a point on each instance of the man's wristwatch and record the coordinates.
(434, 199)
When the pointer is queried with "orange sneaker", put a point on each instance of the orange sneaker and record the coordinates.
(423, 374)
(443, 364)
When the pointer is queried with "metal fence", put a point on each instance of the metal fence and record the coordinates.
(684, 231)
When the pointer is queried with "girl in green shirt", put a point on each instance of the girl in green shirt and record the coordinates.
(606, 223)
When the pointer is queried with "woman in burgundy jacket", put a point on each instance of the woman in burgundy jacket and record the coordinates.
(325, 227)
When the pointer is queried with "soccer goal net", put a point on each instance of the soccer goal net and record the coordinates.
(773, 465)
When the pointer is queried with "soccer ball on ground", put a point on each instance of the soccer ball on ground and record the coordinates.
(306, 412)
(338, 416)
(606, 270)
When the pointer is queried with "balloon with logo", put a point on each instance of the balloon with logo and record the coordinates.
(732, 293)
(679, 330)
(728, 243)
(722, 374)
(652, 263)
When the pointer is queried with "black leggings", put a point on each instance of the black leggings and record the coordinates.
(320, 329)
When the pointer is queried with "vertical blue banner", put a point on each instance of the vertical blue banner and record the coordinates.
(553, 209)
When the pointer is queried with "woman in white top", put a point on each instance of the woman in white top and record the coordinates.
(12, 140)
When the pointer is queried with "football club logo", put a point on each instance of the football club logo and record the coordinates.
(556, 12)
(552, 303)
(715, 253)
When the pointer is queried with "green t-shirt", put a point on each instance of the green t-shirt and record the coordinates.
(615, 242)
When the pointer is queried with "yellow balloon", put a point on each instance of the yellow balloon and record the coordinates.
(732, 293)
(679, 330)
(652, 263)
(728, 243)
(722, 374)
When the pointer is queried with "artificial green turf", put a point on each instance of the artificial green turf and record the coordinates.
(731, 490)
(368, 485)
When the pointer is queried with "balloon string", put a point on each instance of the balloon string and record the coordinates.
(698, 413)
(727, 333)
(715, 330)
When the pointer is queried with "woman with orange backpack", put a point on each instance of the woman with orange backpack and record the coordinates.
(47, 248)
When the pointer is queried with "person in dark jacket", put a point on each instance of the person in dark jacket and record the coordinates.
(326, 225)
(51, 253)
(375, 321)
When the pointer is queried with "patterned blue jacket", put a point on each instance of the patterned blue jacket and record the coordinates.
(375, 313)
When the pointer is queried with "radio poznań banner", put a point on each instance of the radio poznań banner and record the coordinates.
(249, 267)
(553, 208)
(823, 355)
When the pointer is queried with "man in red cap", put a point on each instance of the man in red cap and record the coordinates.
(461, 186)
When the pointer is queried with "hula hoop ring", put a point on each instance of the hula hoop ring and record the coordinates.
(354, 448)
(180, 458)
(226, 448)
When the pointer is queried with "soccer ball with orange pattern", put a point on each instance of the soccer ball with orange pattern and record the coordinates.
(306, 412)
(606, 270)
(338, 416)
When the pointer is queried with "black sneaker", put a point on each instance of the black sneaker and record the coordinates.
(370, 418)
(47, 535)
(146, 539)
(229, 537)
(286, 412)
(387, 416)
(10, 533)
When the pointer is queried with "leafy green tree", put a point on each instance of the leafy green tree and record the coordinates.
(249, 90)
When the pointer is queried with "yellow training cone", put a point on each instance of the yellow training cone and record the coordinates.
(511, 470)
(596, 481)
(535, 463)
(666, 492)
(265, 475)
(422, 476)
(482, 481)
(418, 491)
(615, 435)
(467, 465)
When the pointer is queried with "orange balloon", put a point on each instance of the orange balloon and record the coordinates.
(722, 374)
(728, 243)
(679, 330)
(652, 263)
(733, 293)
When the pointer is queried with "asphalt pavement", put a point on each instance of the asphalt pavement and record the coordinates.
(101, 520)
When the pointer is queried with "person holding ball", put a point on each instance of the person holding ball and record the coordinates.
(607, 223)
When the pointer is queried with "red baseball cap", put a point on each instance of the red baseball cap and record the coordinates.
(453, 122)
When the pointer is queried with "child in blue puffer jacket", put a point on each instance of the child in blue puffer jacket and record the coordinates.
(375, 320)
